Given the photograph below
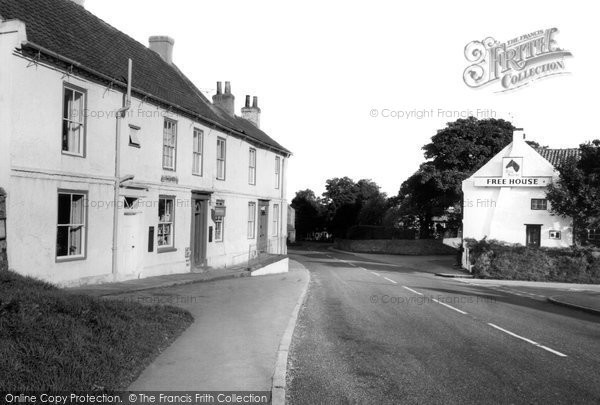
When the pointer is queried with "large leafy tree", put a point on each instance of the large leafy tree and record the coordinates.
(309, 213)
(454, 154)
(576, 194)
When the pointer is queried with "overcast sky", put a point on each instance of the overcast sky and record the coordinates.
(319, 68)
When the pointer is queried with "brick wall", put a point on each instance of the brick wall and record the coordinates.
(3, 258)
(417, 247)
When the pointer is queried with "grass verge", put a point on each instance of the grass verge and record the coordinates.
(54, 340)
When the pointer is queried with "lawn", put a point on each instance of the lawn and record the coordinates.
(51, 339)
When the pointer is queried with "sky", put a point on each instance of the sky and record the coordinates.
(357, 88)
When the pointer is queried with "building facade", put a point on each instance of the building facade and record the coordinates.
(197, 186)
(505, 200)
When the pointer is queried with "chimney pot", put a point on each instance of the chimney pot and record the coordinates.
(225, 101)
(247, 101)
(227, 87)
(252, 114)
(255, 102)
(219, 91)
(163, 46)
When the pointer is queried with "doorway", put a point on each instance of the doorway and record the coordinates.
(263, 226)
(198, 237)
(533, 235)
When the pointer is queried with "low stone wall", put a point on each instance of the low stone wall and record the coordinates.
(3, 258)
(415, 247)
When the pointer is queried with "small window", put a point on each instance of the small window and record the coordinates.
(130, 203)
(593, 234)
(197, 151)
(169, 144)
(221, 154)
(251, 220)
(277, 171)
(219, 223)
(166, 222)
(252, 166)
(134, 136)
(539, 204)
(275, 219)
(73, 128)
(554, 235)
(71, 225)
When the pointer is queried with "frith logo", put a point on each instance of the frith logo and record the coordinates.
(515, 63)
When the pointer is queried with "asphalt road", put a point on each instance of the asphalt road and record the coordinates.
(378, 333)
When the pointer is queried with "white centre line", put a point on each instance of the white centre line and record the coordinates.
(449, 306)
(411, 290)
(391, 281)
(377, 274)
(528, 340)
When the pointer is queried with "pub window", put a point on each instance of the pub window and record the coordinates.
(539, 204)
(275, 219)
(197, 150)
(73, 127)
(134, 136)
(252, 166)
(221, 154)
(71, 225)
(219, 223)
(251, 220)
(169, 144)
(166, 221)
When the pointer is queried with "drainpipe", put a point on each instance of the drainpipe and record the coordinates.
(120, 114)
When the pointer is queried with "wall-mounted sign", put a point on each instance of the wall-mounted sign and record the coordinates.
(169, 179)
(218, 211)
(512, 182)
(512, 167)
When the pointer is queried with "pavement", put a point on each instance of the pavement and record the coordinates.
(372, 332)
(234, 342)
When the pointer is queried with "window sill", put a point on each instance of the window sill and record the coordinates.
(64, 259)
(73, 154)
(133, 145)
(166, 250)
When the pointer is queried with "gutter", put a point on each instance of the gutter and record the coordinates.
(94, 72)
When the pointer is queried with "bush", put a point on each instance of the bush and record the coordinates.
(368, 232)
(500, 260)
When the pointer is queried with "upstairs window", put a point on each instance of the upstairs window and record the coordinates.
(277, 171)
(539, 204)
(252, 166)
(134, 136)
(73, 126)
(71, 225)
(169, 144)
(221, 154)
(197, 151)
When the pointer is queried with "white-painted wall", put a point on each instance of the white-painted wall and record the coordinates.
(33, 169)
(501, 213)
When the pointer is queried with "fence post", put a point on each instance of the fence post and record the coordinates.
(3, 231)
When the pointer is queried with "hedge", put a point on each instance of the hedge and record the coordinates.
(367, 232)
(499, 260)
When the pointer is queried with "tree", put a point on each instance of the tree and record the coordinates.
(309, 213)
(453, 155)
(576, 193)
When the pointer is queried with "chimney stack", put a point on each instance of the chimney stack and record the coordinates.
(163, 46)
(225, 101)
(518, 135)
(252, 114)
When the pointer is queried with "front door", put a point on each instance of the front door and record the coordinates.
(263, 226)
(129, 244)
(198, 241)
(533, 235)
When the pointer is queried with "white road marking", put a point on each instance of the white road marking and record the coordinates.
(391, 281)
(449, 306)
(377, 274)
(528, 340)
(411, 290)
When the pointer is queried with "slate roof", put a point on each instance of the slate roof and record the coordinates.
(557, 156)
(71, 31)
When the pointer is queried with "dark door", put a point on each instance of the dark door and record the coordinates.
(198, 242)
(533, 235)
(263, 225)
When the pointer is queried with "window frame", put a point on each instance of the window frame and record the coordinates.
(171, 246)
(174, 165)
(593, 234)
(223, 159)
(83, 134)
(276, 214)
(200, 154)
(221, 221)
(277, 171)
(84, 243)
(252, 166)
(251, 232)
(535, 204)
(131, 143)
(555, 232)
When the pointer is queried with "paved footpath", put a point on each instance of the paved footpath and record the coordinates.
(233, 343)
